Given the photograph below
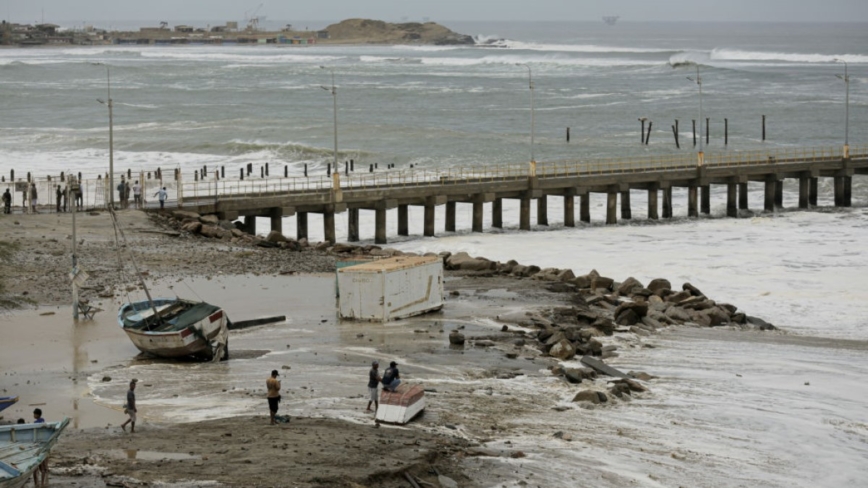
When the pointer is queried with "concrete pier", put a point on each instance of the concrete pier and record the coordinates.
(542, 210)
(742, 196)
(276, 218)
(249, 225)
(771, 187)
(731, 200)
(497, 213)
(812, 196)
(667, 202)
(705, 199)
(380, 224)
(569, 210)
(328, 226)
(611, 208)
(848, 191)
(429, 219)
(804, 190)
(692, 208)
(403, 220)
(353, 225)
(779, 194)
(585, 207)
(524, 213)
(450, 217)
(626, 212)
(652, 203)
(478, 208)
(301, 225)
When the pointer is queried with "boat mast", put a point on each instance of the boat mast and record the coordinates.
(135, 266)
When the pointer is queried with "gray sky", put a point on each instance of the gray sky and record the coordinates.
(220, 11)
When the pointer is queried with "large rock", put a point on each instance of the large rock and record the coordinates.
(209, 219)
(627, 317)
(631, 384)
(692, 289)
(760, 323)
(275, 237)
(639, 308)
(678, 297)
(677, 315)
(185, 214)
(658, 285)
(456, 338)
(463, 261)
(213, 231)
(566, 276)
(192, 226)
(563, 350)
(344, 248)
(717, 316)
(630, 284)
(547, 274)
(591, 396)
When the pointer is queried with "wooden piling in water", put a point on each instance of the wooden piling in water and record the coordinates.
(626, 210)
(812, 196)
(742, 196)
(497, 213)
(764, 127)
(667, 202)
(301, 225)
(725, 132)
(429, 220)
(585, 207)
(694, 132)
(478, 209)
(648, 136)
(705, 197)
(568, 134)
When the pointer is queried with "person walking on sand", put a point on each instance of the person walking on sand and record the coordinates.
(59, 194)
(120, 188)
(162, 195)
(7, 202)
(373, 381)
(130, 408)
(137, 195)
(127, 191)
(392, 377)
(34, 200)
(42, 470)
(273, 385)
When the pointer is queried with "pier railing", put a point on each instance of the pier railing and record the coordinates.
(95, 191)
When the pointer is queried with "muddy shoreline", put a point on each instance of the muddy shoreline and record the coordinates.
(485, 396)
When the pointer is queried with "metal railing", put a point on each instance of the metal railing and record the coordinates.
(95, 191)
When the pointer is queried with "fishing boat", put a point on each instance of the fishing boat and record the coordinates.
(23, 447)
(175, 327)
(7, 401)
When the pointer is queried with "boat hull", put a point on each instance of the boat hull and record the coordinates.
(197, 339)
(6, 402)
(23, 447)
(402, 406)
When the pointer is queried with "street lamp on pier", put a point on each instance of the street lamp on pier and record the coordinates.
(334, 92)
(698, 81)
(108, 103)
(532, 120)
(846, 78)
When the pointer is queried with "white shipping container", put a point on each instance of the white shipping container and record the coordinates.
(391, 289)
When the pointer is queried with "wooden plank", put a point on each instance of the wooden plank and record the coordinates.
(243, 324)
(601, 367)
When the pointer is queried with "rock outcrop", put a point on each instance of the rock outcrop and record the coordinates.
(367, 31)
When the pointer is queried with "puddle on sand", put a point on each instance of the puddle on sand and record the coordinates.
(148, 455)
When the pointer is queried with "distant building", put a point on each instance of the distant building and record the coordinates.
(323, 34)
(47, 29)
(184, 28)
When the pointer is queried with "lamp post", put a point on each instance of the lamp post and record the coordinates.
(108, 103)
(846, 78)
(532, 120)
(698, 81)
(334, 92)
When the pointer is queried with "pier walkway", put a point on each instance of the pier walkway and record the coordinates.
(275, 197)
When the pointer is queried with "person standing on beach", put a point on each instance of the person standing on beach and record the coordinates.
(130, 408)
(120, 188)
(34, 200)
(162, 195)
(59, 194)
(373, 381)
(43, 468)
(7, 202)
(127, 195)
(273, 385)
(392, 377)
(137, 195)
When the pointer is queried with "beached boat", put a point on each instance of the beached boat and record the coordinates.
(23, 447)
(7, 401)
(402, 405)
(174, 327)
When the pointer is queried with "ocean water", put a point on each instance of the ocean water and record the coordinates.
(794, 417)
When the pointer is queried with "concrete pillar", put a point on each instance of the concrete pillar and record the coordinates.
(542, 210)
(848, 191)
(626, 212)
(769, 206)
(731, 200)
(812, 195)
(301, 225)
(478, 207)
(450, 217)
(779, 194)
(380, 225)
(569, 211)
(611, 208)
(804, 190)
(839, 190)
(328, 226)
(742, 196)
(276, 218)
(429, 220)
(497, 213)
(250, 224)
(692, 208)
(652, 204)
(403, 220)
(585, 208)
(705, 199)
(353, 225)
(524, 213)
(667, 203)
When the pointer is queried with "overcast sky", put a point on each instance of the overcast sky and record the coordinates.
(219, 11)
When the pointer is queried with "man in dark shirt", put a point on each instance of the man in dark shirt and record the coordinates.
(392, 377)
(130, 408)
(373, 381)
(37, 416)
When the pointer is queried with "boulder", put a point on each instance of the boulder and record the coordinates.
(185, 214)
(641, 375)
(604, 325)
(563, 350)
(275, 237)
(627, 287)
(558, 336)
(573, 375)
(344, 248)
(589, 396)
(544, 334)
(760, 323)
(456, 338)
(547, 274)
(639, 308)
(700, 318)
(627, 317)
(463, 261)
(718, 316)
(193, 227)
(566, 276)
(697, 303)
(209, 219)
(595, 347)
(692, 289)
(658, 285)
(212, 231)
(678, 297)
(531, 270)
(729, 308)
(651, 322)
(619, 390)
(582, 281)
(677, 315)
(631, 384)
(237, 233)
(739, 318)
